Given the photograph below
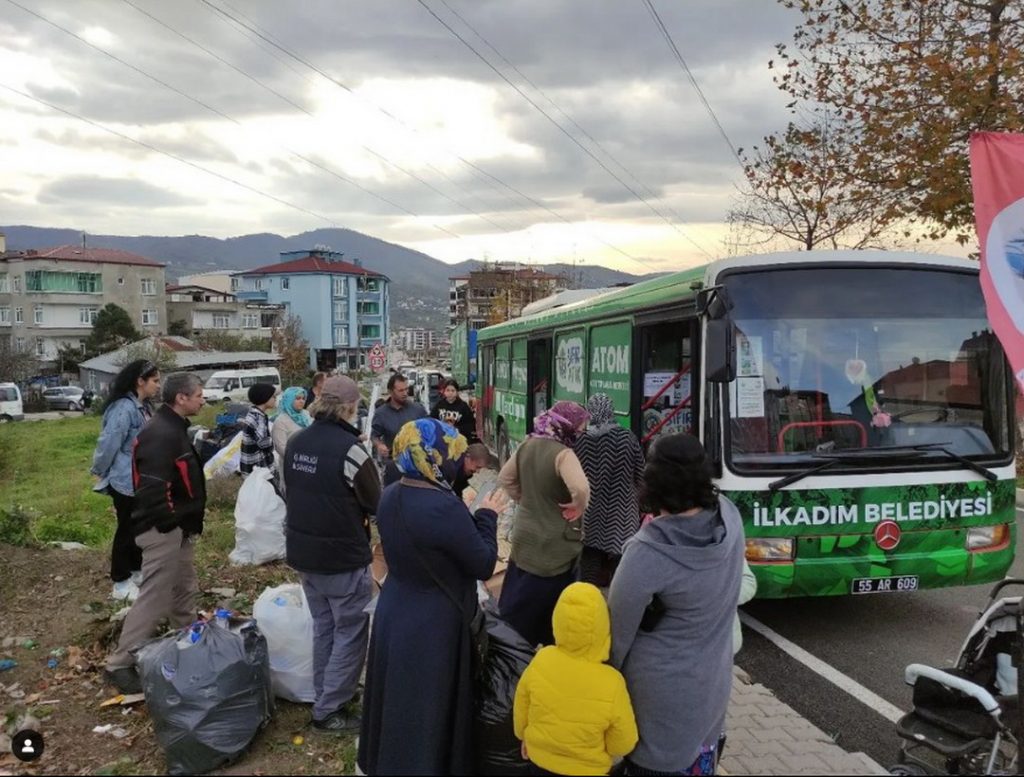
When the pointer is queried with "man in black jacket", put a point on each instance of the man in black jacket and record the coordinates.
(170, 501)
(333, 487)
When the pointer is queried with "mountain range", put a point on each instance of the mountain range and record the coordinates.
(419, 283)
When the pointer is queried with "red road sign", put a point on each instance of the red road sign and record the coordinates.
(377, 358)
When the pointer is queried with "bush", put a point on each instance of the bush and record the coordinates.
(16, 527)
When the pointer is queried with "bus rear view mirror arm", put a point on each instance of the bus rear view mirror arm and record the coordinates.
(714, 302)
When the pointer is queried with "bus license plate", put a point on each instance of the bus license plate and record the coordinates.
(884, 585)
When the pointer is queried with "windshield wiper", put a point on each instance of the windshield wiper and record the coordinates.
(775, 485)
(867, 454)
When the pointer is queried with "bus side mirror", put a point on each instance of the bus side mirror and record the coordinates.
(720, 350)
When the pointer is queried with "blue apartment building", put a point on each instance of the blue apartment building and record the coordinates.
(344, 307)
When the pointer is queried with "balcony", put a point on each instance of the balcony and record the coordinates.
(252, 296)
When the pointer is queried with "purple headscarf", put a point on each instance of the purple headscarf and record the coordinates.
(560, 422)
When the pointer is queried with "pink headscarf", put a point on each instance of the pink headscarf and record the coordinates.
(561, 422)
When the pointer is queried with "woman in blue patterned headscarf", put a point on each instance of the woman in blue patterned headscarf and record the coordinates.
(292, 417)
(428, 449)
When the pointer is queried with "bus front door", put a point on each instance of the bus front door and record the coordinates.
(667, 371)
(538, 378)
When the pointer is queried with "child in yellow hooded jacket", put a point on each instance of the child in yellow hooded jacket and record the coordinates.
(572, 710)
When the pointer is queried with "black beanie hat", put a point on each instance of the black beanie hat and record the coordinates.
(261, 393)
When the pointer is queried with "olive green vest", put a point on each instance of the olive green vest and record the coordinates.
(543, 542)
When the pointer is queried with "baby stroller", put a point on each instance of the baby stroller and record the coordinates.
(967, 719)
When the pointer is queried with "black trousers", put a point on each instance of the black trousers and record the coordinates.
(125, 555)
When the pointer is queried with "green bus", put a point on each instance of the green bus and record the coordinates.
(855, 405)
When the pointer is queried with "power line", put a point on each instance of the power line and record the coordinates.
(231, 119)
(562, 129)
(170, 155)
(693, 81)
(555, 105)
(263, 35)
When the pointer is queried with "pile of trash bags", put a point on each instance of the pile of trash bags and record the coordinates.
(259, 520)
(284, 618)
(208, 690)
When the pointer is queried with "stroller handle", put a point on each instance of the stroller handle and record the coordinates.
(966, 687)
(1004, 584)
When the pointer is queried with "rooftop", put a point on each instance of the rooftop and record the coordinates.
(311, 264)
(187, 355)
(73, 253)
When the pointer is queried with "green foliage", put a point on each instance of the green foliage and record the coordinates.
(179, 328)
(224, 341)
(152, 350)
(16, 527)
(112, 329)
(294, 351)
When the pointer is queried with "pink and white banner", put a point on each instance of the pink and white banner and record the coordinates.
(997, 177)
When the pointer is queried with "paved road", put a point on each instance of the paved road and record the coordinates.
(869, 638)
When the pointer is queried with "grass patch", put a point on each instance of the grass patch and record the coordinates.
(44, 471)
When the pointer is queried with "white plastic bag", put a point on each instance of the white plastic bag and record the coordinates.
(259, 521)
(226, 460)
(283, 616)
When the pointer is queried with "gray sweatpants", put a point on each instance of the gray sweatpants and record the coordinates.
(170, 589)
(341, 631)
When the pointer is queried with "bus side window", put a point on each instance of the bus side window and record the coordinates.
(667, 368)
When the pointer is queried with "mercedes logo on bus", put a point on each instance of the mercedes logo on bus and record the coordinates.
(887, 535)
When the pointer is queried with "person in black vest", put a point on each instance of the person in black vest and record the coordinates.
(333, 487)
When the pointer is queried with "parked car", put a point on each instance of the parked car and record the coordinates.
(234, 385)
(11, 408)
(65, 398)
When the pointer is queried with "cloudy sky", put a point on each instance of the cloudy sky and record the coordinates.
(263, 116)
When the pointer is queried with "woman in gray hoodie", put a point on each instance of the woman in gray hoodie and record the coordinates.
(673, 601)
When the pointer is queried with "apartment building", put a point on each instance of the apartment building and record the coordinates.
(496, 293)
(193, 309)
(50, 298)
(344, 307)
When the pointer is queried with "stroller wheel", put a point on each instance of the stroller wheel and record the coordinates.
(907, 769)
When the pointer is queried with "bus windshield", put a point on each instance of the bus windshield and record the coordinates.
(844, 358)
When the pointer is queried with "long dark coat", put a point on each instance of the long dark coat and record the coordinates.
(418, 705)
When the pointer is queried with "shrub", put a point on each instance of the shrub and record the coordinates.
(16, 527)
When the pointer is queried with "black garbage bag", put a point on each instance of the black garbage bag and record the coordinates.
(208, 692)
(508, 654)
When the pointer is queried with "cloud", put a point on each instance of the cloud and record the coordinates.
(97, 192)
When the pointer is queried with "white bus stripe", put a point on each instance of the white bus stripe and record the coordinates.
(830, 673)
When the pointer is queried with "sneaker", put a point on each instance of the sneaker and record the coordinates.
(338, 723)
(137, 577)
(125, 590)
(125, 679)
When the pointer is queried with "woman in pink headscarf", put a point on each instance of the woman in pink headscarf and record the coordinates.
(546, 480)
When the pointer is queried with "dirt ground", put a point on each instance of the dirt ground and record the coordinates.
(57, 599)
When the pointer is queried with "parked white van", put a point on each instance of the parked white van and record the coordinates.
(11, 408)
(233, 385)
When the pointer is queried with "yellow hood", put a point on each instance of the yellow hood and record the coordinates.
(581, 623)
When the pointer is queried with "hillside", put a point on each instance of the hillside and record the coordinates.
(419, 282)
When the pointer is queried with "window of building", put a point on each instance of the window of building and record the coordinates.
(369, 284)
(49, 282)
(40, 347)
(17, 284)
(37, 315)
(221, 321)
(235, 283)
(268, 320)
(4, 285)
(341, 311)
(19, 344)
(120, 281)
(286, 283)
(369, 308)
(369, 330)
(81, 346)
(341, 335)
(340, 286)
(148, 287)
(250, 321)
(19, 316)
(87, 316)
(149, 318)
(5, 316)
(258, 284)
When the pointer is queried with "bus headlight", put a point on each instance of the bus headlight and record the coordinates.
(984, 538)
(768, 550)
